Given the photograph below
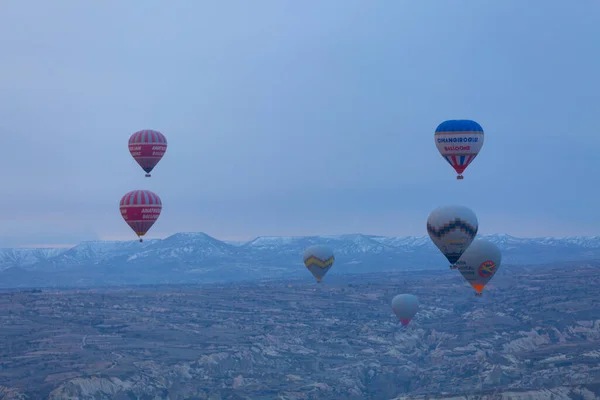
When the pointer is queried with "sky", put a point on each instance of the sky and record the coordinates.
(296, 118)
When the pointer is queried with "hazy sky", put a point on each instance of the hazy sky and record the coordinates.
(297, 117)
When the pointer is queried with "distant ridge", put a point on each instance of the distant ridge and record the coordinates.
(197, 257)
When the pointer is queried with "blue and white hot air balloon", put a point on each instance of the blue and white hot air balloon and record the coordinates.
(459, 142)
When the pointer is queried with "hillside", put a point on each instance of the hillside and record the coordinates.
(200, 258)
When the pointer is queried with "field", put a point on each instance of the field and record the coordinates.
(532, 330)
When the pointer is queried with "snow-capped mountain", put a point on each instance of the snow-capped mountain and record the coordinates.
(26, 257)
(198, 257)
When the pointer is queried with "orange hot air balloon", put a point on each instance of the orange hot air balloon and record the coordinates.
(479, 264)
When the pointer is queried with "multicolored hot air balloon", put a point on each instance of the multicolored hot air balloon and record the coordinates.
(459, 142)
(405, 307)
(140, 209)
(479, 264)
(452, 229)
(147, 147)
(318, 259)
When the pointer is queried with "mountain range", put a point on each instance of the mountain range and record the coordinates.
(200, 258)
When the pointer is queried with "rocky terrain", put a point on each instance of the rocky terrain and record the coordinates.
(199, 258)
(535, 334)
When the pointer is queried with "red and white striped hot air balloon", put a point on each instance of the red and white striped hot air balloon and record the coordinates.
(147, 147)
(140, 209)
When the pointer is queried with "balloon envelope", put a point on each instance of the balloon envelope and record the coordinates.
(318, 259)
(140, 209)
(405, 307)
(459, 142)
(452, 229)
(147, 147)
(479, 263)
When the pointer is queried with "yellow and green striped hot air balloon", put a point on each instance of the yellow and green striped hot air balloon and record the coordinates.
(318, 259)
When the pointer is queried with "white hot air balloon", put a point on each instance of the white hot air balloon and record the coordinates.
(479, 264)
(405, 307)
(452, 229)
(318, 259)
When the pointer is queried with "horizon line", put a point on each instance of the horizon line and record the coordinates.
(70, 245)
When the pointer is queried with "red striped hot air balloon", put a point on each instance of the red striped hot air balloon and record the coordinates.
(147, 147)
(140, 209)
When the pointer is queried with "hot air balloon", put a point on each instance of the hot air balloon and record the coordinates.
(452, 229)
(318, 259)
(147, 148)
(479, 263)
(140, 209)
(405, 307)
(459, 142)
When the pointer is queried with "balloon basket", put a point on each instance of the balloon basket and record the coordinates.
(148, 175)
(453, 267)
(478, 294)
(141, 240)
(460, 177)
